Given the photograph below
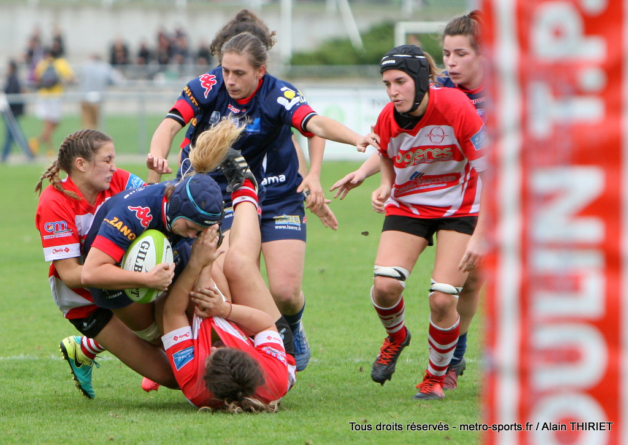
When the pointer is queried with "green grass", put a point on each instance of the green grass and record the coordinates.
(39, 404)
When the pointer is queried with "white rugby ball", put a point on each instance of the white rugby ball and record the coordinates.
(147, 250)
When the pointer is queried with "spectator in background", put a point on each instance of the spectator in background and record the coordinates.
(144, 54)
(203, 56)
(119, 54)
(51, 75)
(164, 48)
(95, 78)
(58, 46)
(17, 108)
(34, 53)
(181, 50)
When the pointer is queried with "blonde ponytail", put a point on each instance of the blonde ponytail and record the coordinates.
(212, 145)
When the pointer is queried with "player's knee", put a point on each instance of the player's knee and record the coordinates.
(442, 305)
(286, 293)
(386, 291)
(237, 263)
(472, 286)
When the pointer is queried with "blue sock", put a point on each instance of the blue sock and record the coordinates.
(461, 348)
(294, 320)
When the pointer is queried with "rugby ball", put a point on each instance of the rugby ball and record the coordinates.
(147, 250)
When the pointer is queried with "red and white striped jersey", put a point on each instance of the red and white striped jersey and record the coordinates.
(188, 348)
(437, 162)
(63, 223)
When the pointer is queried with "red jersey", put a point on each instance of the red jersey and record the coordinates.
(188, 348)
(437, 161)
(63, 223)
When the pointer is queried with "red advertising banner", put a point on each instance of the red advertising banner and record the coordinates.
(556, 307)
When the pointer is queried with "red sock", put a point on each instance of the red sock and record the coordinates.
(442, 344)
(392, 319)
(246, 193)
(90, 347)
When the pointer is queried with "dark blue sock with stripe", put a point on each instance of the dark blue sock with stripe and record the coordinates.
(461, 348)
(294, 320)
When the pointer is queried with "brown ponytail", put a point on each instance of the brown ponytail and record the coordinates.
(244, 21)
(467, 25)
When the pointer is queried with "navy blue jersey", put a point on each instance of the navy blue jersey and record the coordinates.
(477, 96)
(126, 216)
(267, 115)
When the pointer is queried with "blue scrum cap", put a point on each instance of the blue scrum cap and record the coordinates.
(197, 198)
(411, 60)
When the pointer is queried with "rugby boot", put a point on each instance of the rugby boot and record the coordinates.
(301, 347)
(453, 372)
(236, 170)
(430, 388)
(80, 365)
(386, 361)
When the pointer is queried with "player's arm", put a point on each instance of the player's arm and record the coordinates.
(327, 128)
(379, 196)
(101, 271)
(157, 161)
(70, 272)
(252, 321)
(312, 180)
(323, 212)
(355, 179)
(204, 253)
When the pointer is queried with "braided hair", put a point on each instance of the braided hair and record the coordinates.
(82, 144)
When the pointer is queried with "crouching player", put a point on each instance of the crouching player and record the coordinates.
(231, 355)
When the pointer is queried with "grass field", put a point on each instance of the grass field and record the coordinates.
(39, 404)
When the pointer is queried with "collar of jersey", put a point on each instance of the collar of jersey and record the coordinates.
(164, 208)
(248, 99)
(473, 91)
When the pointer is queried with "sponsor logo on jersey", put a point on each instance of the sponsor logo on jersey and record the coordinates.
(62, 250)
(134, 182)
(122, 228)
(425, 183)
(436, 135)
(182, 337)
(479, 139)
(289, 99)
(143, 214)
(207, 82)
(56, 227)
(190, 96)
(183, 357)
(254, 127)
(215, 117)
(292, 222)
(58, 235)
(234, 109)
(270, 180)
(279, 355)
(424, 155)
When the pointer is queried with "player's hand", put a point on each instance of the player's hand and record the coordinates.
(205, 248)
(477, 248)
(379, 197)
(316, 198)
(160, 276)
(158, 164)
(209, 303)
(349, 182)
(370, 139)
(326, 216)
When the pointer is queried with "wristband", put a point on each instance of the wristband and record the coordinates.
(230, 309)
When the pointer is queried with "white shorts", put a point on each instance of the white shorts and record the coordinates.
(49, 109)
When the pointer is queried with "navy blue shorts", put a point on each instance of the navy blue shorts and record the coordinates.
(281, 220)
(117, 299)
